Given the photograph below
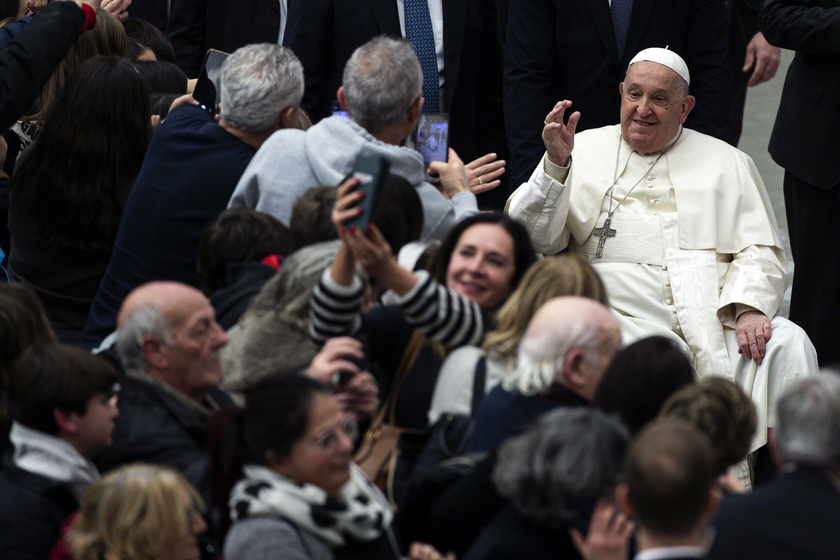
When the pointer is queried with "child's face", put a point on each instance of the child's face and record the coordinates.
(96, 425)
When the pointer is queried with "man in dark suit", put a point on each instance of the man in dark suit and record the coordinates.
(324, 33)
(569, 50)
(806, 143)
(198, 25)
(669, 488)
(796, 515)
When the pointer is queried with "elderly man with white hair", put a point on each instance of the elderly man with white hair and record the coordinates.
(677, 224)
(560, 361)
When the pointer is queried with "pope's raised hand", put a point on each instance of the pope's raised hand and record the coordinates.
(559, 137)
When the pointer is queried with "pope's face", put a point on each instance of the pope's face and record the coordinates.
(653, 106)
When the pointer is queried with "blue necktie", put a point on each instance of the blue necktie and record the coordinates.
(418, 30)
(621, 10)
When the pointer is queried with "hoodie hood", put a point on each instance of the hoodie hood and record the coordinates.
(333, 145)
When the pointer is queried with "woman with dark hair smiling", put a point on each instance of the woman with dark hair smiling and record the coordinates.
(70, 187)
(478, 265)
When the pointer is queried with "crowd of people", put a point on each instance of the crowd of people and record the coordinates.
(224, 335)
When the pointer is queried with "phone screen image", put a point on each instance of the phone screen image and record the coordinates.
(433, 137)
(337, 111)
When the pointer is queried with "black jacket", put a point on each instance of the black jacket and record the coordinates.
(155, 427)
(805, 140)
(33, 509)
(28, 62)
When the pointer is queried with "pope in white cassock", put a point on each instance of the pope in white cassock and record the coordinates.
(678, 225)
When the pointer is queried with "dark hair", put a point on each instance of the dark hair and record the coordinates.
(311, 222)
(275, 417)
(721, 410)
(135, 50)
(524, 251)
(162, 77)
(9, 9)
(106, 38)
(161, 102)
(640, 379)
(669, 472)
(23, 322)
(238, 236)
(398, 214)
(151, 37)
(56, 375)
(100, 126)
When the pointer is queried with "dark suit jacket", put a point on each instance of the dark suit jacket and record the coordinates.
(805, 140)
(794, 516)
(324, 33)
(198, 25)
(566, 49)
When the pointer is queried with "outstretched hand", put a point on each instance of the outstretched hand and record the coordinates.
(559, 138)
(753, 330)
(483, 173)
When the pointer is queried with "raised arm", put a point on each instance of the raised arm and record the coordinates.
(30, 59)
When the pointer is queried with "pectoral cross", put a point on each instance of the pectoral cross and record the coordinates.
(603, 233)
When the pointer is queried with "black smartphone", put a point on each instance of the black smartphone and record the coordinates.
(337, 111)
(371, 172)
(207, 90)
(433, 140)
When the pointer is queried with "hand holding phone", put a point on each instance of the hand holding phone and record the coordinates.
(371, 172)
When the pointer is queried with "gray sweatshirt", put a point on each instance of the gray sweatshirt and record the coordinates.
(292, 161)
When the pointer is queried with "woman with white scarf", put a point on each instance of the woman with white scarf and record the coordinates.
(301, 497)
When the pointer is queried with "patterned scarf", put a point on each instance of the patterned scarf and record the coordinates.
(360, 513)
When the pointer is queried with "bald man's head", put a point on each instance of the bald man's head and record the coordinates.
(168, 330)
(571, 341)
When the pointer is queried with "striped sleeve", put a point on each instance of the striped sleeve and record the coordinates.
(441, 314)
(335, 310)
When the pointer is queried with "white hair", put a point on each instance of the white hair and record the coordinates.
(540, 355)
(144, 321)
(257, 83)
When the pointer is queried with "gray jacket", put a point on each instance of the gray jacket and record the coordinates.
(292, 161)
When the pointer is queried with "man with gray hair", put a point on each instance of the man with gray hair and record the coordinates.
(383, 95)
(168, 342)
(190, 170)
(566, 349)
(795, 515)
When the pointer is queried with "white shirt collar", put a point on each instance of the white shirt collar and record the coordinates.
(51, 457)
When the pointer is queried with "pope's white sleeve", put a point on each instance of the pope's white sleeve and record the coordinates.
(542, 205)
(755, 279)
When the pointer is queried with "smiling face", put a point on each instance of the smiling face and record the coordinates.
(654, 103)
(322, 456)
(482, 265)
